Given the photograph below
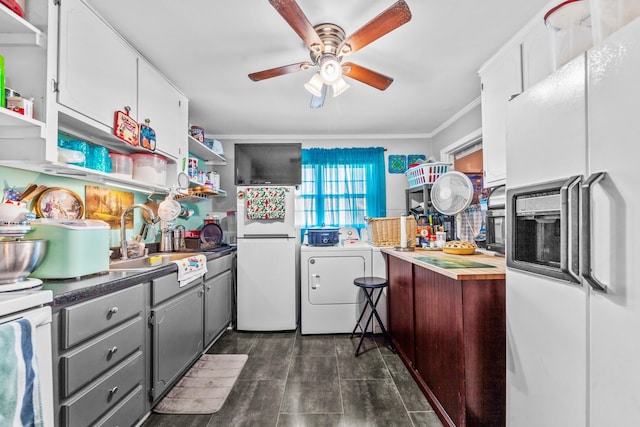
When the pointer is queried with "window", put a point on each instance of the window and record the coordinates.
(341, 187)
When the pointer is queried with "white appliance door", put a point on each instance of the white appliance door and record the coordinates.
(546, 318)
(614, 129)
(267, 284)
(261, 227)
(330, 280)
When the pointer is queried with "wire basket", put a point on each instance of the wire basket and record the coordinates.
(386, 231)
(425, 173)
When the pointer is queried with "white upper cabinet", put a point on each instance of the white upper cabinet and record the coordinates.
(97, 68)
(536, 55)
(167, 110)
(501, 79)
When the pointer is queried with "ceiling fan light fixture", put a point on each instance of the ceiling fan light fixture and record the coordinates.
(330, 69)
(314, 85)
(339, 86)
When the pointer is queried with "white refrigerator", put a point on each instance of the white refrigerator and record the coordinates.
(267, 270)
(573, 349)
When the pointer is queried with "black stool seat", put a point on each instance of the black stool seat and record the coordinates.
(369, 285)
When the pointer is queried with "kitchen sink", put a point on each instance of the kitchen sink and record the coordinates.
(143, 264)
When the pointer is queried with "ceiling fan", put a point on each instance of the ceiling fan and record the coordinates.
(328, 45)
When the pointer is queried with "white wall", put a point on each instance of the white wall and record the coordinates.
(396, 183)
(464, 124)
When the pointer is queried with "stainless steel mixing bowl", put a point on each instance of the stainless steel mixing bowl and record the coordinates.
(19, 258)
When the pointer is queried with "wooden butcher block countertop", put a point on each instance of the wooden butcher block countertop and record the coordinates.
(478, 266)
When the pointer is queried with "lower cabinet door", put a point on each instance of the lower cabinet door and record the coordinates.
(217, 306)
(177, 338)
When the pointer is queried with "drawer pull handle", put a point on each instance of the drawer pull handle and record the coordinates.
(112, 311)
(208, 288)
(113, 391)
(113, 350)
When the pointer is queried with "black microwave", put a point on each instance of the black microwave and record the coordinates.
(496, 221)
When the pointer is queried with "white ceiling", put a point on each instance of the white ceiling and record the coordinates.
(208, 47)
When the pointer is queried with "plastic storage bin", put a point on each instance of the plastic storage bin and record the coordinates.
(121, 165)
(426, 173)
(569, 25)
(149, 168)
(608, 16)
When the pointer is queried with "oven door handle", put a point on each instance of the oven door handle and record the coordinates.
(585, 241)
(569, 224)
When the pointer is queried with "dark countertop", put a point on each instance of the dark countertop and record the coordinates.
(73, 291)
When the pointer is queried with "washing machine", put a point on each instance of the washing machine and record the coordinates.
(329, 301)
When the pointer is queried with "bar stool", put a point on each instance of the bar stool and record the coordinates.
(369, 286)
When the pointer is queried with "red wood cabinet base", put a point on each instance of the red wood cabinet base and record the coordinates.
(457, 350)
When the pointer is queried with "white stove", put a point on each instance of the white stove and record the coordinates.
(33, 306)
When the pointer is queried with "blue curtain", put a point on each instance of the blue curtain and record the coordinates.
(342, 186)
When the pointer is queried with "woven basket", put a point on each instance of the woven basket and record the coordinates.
(386, 231)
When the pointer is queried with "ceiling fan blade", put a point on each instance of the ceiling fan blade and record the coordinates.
(318, 101)
(365, 75)
(296, 18)
(279, 71)
(395, 16)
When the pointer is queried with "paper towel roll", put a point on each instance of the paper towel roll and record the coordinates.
(403, 231)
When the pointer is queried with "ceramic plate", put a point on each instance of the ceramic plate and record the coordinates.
(59, 203)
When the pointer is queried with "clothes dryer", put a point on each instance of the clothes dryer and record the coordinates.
(330, 302)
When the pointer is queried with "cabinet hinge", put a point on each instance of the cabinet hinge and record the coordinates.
(57, 2)
(151, 320)
(54, 86)
(151, 394)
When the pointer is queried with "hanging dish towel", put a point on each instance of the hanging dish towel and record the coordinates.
(20, 403)
(191, 268)
(266, 202)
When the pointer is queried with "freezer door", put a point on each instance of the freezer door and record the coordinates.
(248, 209)
(546, 318)
(614, 129)
(267, 284)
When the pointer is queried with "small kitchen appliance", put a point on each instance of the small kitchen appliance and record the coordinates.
(323, 236)
(496, 224)
(76, 247)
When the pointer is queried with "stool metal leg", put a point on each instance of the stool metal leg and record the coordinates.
(374, 312)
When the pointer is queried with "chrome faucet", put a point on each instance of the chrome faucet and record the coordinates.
(123, 230)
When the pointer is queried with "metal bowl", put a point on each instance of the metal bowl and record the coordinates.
(20, 258)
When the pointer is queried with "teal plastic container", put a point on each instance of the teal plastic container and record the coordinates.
(75, 247)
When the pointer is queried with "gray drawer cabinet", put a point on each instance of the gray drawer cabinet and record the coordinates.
(177, 332)
(126, 412)
(99, 359)
(83, 410)
(218, 297)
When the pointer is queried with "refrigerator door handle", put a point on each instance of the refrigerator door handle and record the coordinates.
(585, 242)
(569, 224)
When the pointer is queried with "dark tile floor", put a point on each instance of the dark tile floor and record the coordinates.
(313, 380)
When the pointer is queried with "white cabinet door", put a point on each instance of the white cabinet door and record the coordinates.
(536, 55)
(97, 69)
(161, 103)
(500, 80)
